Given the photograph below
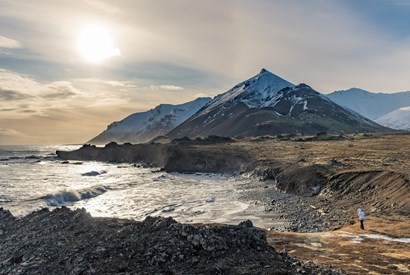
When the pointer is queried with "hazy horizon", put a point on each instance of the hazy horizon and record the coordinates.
(68, 69)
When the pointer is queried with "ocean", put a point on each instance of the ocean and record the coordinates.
(32, 177)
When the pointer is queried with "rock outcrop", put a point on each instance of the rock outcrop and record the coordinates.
(72, 242)
(183, 156)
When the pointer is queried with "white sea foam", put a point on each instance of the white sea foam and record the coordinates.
(94, 173)
(65, 197)
(124, 192)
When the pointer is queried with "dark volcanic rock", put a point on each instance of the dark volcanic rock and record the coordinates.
(209, 155)
(5, 217)
(72, 242)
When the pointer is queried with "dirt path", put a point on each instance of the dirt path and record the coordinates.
(383, 248)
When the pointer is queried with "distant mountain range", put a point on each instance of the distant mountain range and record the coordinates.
(398, 119)
(265, 104)
(375, 105)
(144, 126)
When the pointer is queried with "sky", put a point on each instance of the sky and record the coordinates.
(70, 68)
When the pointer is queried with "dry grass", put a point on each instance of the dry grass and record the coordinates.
(356, 251)
(390, 152)
(383, 161)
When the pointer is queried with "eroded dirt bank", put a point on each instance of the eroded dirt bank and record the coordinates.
(72, 242)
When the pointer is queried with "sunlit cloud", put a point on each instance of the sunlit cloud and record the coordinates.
(10, 136)
(113, 101)
(104, 6)
(11, 95)
(9, 133)
(9, 43)
(113, 83)
(166, 87)
(22, 96)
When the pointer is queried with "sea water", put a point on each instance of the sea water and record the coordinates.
(32, 177)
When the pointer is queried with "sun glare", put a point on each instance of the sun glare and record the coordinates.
(95, 44)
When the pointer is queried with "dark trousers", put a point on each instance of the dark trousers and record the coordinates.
(362, 224)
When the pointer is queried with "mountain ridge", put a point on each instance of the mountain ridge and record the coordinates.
(369, 104)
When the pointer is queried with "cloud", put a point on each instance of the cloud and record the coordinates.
(9, 136)
(61, 90)
(313, 41)
(108, 102)
(12, 95)
(9, 43)
(103, 6)
(113, 83)
(22, 96)
(166, 87)
(8, 109)
(9, 132)
(174, 51)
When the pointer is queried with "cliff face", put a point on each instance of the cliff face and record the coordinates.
(148, 154)
(182, 157)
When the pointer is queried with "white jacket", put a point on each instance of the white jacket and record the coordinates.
(361, 214)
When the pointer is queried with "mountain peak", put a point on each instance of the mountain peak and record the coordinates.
(263, 71)
(270, 78)
(254, 92)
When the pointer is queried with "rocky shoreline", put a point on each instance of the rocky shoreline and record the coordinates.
(309, 183)
(63, 241)
(305, 184)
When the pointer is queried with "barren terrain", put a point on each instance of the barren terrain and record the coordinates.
(382, 248)
(309, 184)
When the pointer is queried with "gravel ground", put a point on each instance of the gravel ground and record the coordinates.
(294, 213)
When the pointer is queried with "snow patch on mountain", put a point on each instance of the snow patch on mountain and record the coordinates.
(398, 119)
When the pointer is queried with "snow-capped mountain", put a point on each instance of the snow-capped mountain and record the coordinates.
(144, 126)
(368, 104)
(255, 92)
(267, 104)
(398, 119)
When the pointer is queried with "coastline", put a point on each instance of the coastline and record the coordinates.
(349, 173)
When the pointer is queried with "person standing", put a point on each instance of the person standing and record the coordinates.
(361, 215)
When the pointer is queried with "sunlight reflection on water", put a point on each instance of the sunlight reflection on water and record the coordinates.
(120, 190)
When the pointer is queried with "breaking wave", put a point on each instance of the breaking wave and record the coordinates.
(64, 197)
(94, 173)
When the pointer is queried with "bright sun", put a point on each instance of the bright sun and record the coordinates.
(95, 44)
